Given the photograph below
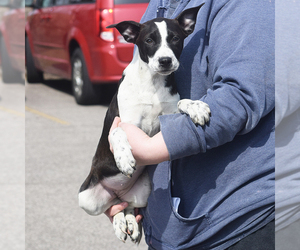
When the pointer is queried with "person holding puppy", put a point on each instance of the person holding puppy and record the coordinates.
(213, 185)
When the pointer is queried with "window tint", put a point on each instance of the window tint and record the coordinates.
(130, 1)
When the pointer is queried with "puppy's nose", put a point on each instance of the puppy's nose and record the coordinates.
(165, 61)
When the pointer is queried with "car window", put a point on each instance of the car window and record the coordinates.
(4, 2)
(13, 4)
(29, 3)
(130, 1)
(47, 3)
(61, 2)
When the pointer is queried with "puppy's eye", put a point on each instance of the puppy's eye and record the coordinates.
(149, 41)
(175, 39)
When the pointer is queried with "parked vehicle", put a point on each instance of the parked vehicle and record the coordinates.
(12, 42)
(4, 6)
(69, 38)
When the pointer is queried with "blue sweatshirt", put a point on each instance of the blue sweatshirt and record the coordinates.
(222, 174)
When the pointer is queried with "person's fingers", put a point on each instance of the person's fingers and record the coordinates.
(114, 125)
(113, 210)
(138, 216)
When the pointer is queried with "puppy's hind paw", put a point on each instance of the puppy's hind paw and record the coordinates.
(120, 226)
(134, 229)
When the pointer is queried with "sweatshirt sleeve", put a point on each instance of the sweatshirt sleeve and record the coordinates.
(241, 54)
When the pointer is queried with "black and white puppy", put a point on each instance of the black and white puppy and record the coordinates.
(147, 90)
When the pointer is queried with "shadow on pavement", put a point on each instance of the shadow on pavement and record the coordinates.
(107, 90)
(60, 85)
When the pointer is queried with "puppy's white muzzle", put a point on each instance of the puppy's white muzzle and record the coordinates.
(164, 65)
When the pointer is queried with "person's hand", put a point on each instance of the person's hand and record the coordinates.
(146, 150)
(113, 210)
(114, 125)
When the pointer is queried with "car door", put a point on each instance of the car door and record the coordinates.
(40, 24)
(48, 30)
(15, 23)
(12, 42)
(127, 10)
(61, 19)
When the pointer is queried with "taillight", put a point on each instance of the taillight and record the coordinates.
(106, 18)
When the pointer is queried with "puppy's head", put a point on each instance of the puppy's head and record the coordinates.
(160, 41)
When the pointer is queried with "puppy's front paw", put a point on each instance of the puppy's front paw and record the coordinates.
(198, 111)
(122, 152)
(125, 162)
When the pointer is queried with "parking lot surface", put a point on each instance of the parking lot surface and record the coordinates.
(56, 149)
(12, 166)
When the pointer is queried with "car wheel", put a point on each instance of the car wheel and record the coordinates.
(83, 89)
(9, 74)
(33, 74)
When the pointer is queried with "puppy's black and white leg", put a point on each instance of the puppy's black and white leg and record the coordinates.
(133, 228)
(137, 197)
(198, 111)
(120, 226)
(95, 198)
(124, 224)
(122, 152)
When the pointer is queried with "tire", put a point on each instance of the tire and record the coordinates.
(9, 74)
(34, 75)
(84, 91)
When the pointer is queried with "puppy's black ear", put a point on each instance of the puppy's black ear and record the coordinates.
(130, 30)
(187, 19)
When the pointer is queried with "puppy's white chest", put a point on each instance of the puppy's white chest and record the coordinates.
(141, 99)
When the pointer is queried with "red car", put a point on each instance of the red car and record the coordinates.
(12, 41)
(69, 38)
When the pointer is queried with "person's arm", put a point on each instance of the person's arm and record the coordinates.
(240, 62)
(146, 150)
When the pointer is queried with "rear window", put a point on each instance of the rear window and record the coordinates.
(130, 1)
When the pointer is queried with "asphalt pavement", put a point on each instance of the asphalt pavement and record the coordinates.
(46, 147)
(12, 166)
